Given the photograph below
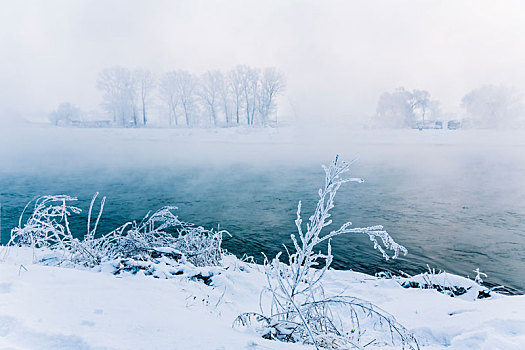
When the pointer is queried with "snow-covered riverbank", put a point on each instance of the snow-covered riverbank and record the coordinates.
(47, 307)
(100, 292)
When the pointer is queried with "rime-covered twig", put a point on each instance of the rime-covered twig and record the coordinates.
(297, 295)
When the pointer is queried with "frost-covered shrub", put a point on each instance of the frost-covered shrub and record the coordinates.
(48, 225)
(299, 310)
(157, 235)
(451, 285)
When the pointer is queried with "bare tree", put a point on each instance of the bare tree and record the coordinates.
(394, 110)
(145, 81)
(272, 84)
(187, 87)
(403, 108)
(169, 93)
(249, 83)
(250, 92)
(64, 114)
(495, 107)
(236, 82)
(225, 96)
(420, 102)
(210, 91)
(118, 87)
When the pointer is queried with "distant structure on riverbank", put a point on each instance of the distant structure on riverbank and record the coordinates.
(91, 123)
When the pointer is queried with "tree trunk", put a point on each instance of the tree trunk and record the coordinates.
(226, 115)
(253, 107)
(214, 116)
(247, 112)
(186, 115)
(174, 115)
(144, 112)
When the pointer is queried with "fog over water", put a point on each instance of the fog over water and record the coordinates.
(455, 199)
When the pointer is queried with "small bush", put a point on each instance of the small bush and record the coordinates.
(451, 285)
(157, 235)
(299, 310)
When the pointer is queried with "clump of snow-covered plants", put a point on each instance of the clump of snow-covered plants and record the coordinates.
(451, 285)
(158, 238)
(298, 308)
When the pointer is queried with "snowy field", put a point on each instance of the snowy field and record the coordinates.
(45, 307)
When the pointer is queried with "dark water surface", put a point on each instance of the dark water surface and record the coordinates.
(455, 209)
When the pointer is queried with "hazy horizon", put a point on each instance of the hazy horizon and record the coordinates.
(338, 56)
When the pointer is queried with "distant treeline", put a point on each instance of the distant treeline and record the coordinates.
(248, 96)
(489, 106)
(243, 95)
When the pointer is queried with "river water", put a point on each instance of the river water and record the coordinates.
(456, 206)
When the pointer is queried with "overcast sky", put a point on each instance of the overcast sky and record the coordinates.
(338, 56)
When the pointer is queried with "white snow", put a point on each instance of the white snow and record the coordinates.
(46, 307)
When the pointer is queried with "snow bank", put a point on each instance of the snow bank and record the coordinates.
(46, 307)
